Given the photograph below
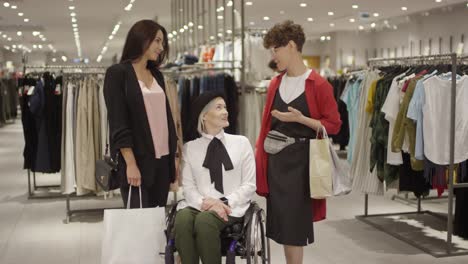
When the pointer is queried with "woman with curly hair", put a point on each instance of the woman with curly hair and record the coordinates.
(299, 103)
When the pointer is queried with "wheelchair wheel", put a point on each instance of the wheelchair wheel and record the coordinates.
(258, 245)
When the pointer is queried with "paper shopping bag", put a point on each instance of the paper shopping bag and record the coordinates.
(133, 236)
(320, 167)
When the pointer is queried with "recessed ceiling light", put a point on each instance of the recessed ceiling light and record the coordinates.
(264, 32)
(9, 39)
(212, 37)
(281, 12)
(19, 33)
(111, 37)
(355, 6)
(54, 59)
(73, 20)
(14, 7)
(252, 23)
(404, 8)
(39, 46)
(185, 27)
(229, 31)
(220, 17)
(34, 46)
(4, 36)
(361, 28)
(332, 24)
(64, 58)
(6, 4)
(310, 19)
(190, 24)
(220, 35)
(229, 3)
(249, 3)
(266, 18)
(73, 14)
(438, 1)
(181, 30)
(373, 25)
(26, 20)
(74, 25)
(322, 38)
(328, 38)
(75, 29)
(71, 7)
(20, 14)
(199, 27)
(376, 14)
(303, 4)
(331, 13)
(44, 39)
(352, 20)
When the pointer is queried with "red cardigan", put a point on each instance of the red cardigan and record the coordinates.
(322, 106)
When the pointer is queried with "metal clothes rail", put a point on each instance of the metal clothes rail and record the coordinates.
(453, 59)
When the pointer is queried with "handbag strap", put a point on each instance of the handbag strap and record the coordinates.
(130, 196)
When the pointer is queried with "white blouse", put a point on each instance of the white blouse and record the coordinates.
(292, 87)
(238, 184)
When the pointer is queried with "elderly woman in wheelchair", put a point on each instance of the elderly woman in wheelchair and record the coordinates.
(218, 179)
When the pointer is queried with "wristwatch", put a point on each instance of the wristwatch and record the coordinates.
(224, 200)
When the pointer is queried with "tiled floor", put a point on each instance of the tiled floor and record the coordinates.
(33, 231)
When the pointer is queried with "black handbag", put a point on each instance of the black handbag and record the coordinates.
(106, 171)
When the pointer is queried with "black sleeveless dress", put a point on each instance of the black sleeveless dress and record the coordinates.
(289, 206)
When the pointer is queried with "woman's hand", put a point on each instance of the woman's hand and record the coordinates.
(133, 175)
(209, 202)
(293, 115)
(221, 210)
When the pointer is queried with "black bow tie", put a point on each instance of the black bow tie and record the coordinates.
(216, 156)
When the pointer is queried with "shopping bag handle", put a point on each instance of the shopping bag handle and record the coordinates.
(130, 196)
(324, 133)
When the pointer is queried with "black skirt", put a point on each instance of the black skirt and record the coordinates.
(289, 206)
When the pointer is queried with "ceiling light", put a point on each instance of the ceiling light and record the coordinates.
(331, 13)
(19, 33)
(373, 25)
(181, 30)
(248, 3)
(75, 29)
(376, 14)
(170, 35)
(252, 23)
(39, 46)
(36, 33)
(111, 37)
(281, 12)
(328, 38)
(72, 14)
(220, 17)
(6, 4)
(212, 37)
(404, 8)
(73, 20)
(26, 20)
(99, 58)
(44, 39)
(9, 39)
(229, 3)
(71, 7)
(74, 25)
(395, 27)
(355, 6)
(13, 7)
(332, 24)
(20, 14)
(41, 36)
(352, 20)
(220, 35)
(322, 38)
(64, 58)
(438, 1)
(199, 27)
(128, 7)
(4, 36)
(303, 4)
(266, 18)
(175, 32)
(310, 19)
(229, 31)
(264, 32)
(13, 46)
(190, 24)
(54, 59)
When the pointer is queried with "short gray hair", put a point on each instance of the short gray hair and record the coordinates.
(200, 124)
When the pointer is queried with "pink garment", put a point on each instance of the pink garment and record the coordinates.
(155, 105)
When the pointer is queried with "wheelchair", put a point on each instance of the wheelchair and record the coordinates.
(246, 239)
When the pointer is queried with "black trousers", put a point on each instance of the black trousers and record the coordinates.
(153, 195)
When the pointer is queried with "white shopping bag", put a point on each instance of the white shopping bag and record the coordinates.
(320, 167)
(341, 177)
(133, 236)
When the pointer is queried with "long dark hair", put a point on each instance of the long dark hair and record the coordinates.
(139, 39)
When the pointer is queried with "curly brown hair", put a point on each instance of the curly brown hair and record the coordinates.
(282, 33)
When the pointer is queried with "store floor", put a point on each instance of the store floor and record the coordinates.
(33, 231)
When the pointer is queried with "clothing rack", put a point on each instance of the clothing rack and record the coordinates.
(449, 251)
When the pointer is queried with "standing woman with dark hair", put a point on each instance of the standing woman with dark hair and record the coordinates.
(299, 103)
(142, 131)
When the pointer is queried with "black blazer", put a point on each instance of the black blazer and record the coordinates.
(128, 122)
